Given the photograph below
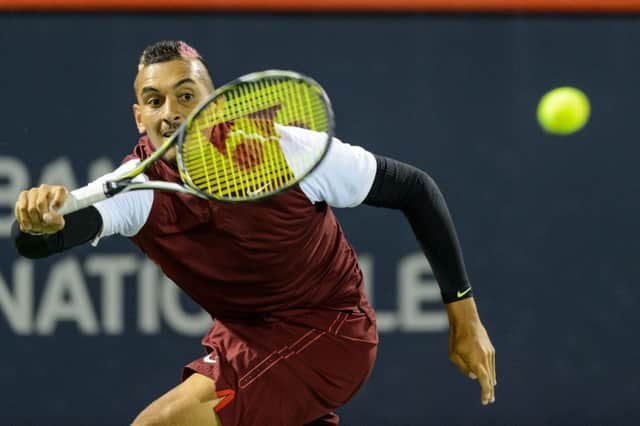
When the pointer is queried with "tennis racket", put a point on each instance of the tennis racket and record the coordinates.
(251, 139)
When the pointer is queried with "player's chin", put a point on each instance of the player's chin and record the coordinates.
(158, 141)
(170, 156)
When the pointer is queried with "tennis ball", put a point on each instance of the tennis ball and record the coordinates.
(563, 111)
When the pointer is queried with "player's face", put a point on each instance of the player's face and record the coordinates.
(166, 93)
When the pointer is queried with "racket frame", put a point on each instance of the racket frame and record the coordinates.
(247, 79)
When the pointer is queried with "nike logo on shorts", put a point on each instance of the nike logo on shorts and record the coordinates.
(209, 360)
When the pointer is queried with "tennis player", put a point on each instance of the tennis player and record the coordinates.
(294, 336)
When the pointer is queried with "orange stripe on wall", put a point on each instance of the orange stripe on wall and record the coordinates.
(503, 6)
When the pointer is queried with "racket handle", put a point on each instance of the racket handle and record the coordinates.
(82, 197)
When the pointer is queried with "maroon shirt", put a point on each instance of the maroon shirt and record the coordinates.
(241, 260)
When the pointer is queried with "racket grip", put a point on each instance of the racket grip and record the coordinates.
(82, 197)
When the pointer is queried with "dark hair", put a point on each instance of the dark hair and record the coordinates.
(168, 50)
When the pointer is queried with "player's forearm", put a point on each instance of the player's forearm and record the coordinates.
(400, 186)
(81, 226)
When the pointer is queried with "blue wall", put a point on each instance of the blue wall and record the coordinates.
(548, 225)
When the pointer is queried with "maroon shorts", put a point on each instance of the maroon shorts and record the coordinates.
(292, 370)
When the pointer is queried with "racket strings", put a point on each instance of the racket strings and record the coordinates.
(225, 175)
(232, 148)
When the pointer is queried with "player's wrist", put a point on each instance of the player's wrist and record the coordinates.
(35, 233)
(462, 312)
(456, 295)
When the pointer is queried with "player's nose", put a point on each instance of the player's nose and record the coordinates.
(172, 113)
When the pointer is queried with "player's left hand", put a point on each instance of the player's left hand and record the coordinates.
(470, 348)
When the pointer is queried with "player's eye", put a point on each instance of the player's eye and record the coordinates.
(187, 97)
(154, 102)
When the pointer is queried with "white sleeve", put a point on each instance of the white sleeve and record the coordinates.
(125, 213)
(345, 175)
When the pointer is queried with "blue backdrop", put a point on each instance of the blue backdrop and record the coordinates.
(548, 225)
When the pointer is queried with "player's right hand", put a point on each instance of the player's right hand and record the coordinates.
(36, 209)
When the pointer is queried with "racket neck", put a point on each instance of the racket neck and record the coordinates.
(112, 188)
(156, 155)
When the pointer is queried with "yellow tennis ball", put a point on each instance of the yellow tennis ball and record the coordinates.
(563, 111)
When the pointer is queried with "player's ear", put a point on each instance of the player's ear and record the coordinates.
(137, 115)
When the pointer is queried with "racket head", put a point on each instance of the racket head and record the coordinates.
(256, 136)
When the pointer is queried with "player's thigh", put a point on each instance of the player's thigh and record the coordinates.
(190, 403)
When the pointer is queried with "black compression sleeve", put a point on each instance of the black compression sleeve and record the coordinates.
(400, 186)
(80, 227)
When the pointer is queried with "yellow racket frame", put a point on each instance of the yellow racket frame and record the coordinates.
(246, 162)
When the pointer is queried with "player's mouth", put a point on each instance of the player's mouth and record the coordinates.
(168, 134)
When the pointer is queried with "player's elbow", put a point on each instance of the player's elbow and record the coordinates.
(424, 187)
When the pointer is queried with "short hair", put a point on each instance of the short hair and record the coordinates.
(168, 50)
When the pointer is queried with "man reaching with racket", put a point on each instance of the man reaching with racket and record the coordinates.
(294, 336)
